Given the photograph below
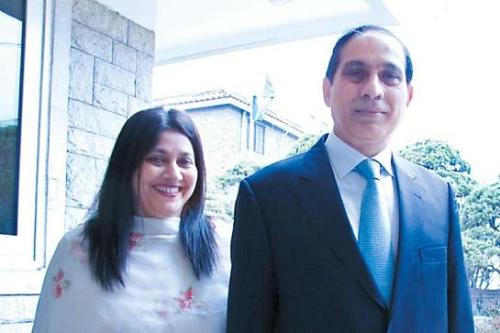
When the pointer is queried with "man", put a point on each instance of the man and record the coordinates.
(349, 237)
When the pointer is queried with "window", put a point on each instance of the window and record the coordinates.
(11, 33)
(21, 40)
(260, 134)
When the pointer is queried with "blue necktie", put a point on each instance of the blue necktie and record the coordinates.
(374, 238)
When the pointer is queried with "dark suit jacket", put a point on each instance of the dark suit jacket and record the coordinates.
(296, 266)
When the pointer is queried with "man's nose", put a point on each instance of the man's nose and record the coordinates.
(373, 88)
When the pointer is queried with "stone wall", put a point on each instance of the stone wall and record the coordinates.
(277, 143)
(111, 64)
(220, 132)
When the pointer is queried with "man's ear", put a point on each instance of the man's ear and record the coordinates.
(410, 94)
(327, 86)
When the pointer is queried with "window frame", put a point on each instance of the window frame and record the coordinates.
(22, 255)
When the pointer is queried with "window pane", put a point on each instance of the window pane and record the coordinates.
(259, 138)
(11, 27)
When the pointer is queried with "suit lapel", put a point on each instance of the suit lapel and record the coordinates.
(320, 196)
(411, 195)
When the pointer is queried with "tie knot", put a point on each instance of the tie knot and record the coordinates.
(370, 169)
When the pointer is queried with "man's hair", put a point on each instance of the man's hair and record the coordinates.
(111, 220)
(333, 64)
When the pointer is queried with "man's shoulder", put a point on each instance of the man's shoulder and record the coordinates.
(420, 172)
(276, 171)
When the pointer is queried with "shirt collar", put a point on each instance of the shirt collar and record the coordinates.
(344, 158)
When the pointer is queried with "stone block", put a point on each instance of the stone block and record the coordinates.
(95, 120)
(81, 75)
(143, 83)
(124, 56)
(82, 180)
(85, 143)
(110, 99)
(74, 217)
(99, 17)
(90, 41)
(114, 77)
(141, 39)
(136, 104)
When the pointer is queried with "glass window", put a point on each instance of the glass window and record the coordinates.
(260, 131)
(11, 49)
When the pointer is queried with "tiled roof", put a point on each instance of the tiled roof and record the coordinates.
(202, 97)
(206, 97)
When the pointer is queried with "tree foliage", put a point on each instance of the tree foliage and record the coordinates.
(303, 144)
(234, 175)
(222, 191)
(445, 161)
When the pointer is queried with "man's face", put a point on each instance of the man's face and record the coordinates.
(369, 92)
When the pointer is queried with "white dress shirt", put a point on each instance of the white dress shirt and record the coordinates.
(343, 160)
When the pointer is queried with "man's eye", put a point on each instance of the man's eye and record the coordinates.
(391, 78)
(355, 75)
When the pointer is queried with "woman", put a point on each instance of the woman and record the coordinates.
(147, 260)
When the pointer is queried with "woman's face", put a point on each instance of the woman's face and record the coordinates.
(166, 178)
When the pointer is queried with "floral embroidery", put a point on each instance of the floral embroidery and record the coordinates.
(187, 301)
(134, 240)
(60, 284)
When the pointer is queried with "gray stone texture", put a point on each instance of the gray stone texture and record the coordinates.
(110, 99)
(91, 41)
(124, 56)
(89, 144)
(224, 119)
(143, 83)
(83, 177)
(95, 120)
(100, 18)
(81, 75)
(135, 105)
(141, 38)
(74, 217)
(114, 77)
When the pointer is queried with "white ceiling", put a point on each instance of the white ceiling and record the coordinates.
(188, 29)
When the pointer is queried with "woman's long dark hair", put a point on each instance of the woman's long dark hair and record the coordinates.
(111, 219)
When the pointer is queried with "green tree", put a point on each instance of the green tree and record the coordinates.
(445, 161)
(482, 254)
(222, 191)
(303, 144)
(482, 207)
(234, 175)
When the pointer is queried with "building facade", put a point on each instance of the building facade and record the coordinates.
(230, 133)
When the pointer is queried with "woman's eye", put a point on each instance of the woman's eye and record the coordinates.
(186, 161)
(156, 160)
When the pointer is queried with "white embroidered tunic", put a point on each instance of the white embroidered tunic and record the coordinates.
(161, 292)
